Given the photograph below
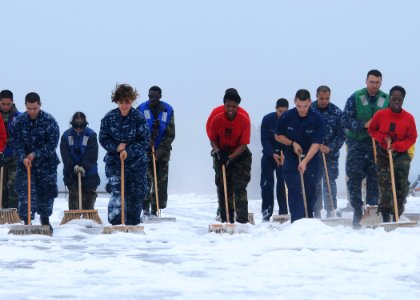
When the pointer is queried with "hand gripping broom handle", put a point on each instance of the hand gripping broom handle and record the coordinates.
(302, 182)
(28, 170)
(79, 181)
(155, 181)
(328, 184)
(391, 171)
(225, 192)
(122, 192)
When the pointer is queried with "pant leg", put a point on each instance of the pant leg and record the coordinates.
(46, 190)
(10, 199)
(296, 207)
(21, 189)
(267, 185)
(162, 170)
(332, 168)
(73, 194)
(402, 163)
(372, 185)
(241, 171)
(355, 170)
(281, 192)
(149, 196)
(319, 196)
(89, 198)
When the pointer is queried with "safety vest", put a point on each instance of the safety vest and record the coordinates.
(164, 118)
(365, 111)
(78, 147)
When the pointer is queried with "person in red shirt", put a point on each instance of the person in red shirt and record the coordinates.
(230, 133)
(396, 127)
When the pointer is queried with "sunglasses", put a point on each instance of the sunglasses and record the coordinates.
(78, 126)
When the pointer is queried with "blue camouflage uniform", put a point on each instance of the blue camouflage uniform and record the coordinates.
(334, 138)
(360, 162)
(304, 131)
(269, 166)
(132, 130)
(39, 136)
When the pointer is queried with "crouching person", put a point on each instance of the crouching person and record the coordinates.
(79, 152)
(125, 136)
(229, 134)
(35, 140)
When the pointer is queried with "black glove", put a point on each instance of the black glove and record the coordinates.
(222, 158)
(1, 159)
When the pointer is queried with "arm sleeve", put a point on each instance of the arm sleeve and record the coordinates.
(319, 131)
(53, 136)
(3, 135)
(169, 135)
(373, 129)
(404, 145)
(105, 138)
(91, 156)
(349, 120)
(340, 136)
(266, 137)
(65, 154)
(142, 143)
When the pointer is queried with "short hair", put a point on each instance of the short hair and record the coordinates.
(124, 92)
(323, 89)
(78, 115)
(397, 88)
(282, 102)
(233, 90)
(6, 94)
(232, 96)
(155, 88)
(303, 95)
(375, 73)
(32, 97)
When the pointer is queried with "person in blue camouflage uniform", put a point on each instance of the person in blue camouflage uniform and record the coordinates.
(79, 152)
(124, 134)
(35, 140)
(333, 141)
(8, 113)
(161, 121)
(271, 162)
(360, 162)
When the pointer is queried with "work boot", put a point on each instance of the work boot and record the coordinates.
(317, 215)
(357, 216)
(46, 221)
(218, 215)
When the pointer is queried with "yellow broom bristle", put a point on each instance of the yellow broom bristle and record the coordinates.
(123, 228)
(9, 216)
(30, 230)
(70, 215)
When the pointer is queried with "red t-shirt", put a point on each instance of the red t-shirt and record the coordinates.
(227, 134)
(219, 110)
(401, 127)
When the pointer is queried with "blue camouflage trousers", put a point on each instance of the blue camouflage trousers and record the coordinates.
(135, 189)
(43, 189)
(322, 194)
(360, 164)
(268, 168)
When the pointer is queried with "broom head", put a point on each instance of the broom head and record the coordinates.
(30, 230)
(123, 228)
(9, 216)
(91, 214)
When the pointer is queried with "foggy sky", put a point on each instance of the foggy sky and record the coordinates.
(74, 52)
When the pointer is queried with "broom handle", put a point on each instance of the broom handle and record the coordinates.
(155, 181)
(122, 192)
(79, 181)
(1, 188)
(394, 192)
(302, 182)
(374, 149)
(328, 183)
(28, 169)
(285, 189)
(225, 192)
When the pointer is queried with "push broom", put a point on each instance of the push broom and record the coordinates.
(7, 215)
(30, 229)
(123, 227)
(90, 214)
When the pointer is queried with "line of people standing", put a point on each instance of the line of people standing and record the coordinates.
(28, 147)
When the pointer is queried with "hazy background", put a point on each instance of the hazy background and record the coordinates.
(74, 52)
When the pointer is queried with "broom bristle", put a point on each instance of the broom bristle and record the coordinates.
(70, 215)
(31, 229)
(371, 216)
(281, 218)
(9, 216)
(123, 228)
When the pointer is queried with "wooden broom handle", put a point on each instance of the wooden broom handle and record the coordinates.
(327, 177)
(79, 181)
(122, 192)
(374, 149)
(28, 170)
(302, 182)
(225, 192)
(391, 171)
(155, 181)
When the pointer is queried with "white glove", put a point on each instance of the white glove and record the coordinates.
(79, 169)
